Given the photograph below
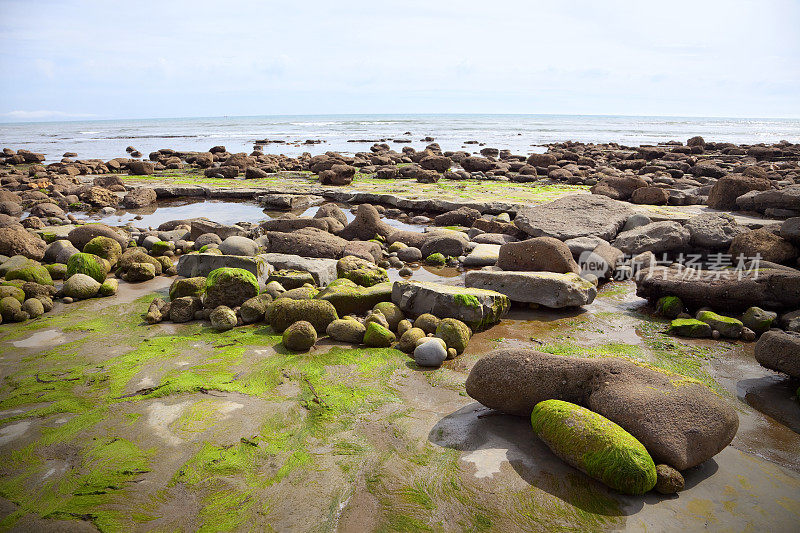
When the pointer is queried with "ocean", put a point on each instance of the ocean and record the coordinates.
(107, 139)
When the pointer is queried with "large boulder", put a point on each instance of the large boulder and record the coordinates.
(332, 211)
(284, 312)
(89, 264)
(366, 225)
(681, 422)
(478, 308)
(727, 189)
(323, 271)
(105, 248)
(308, 242)
(779, 351)
(480, 256)
(577, 215)
(238, 245)
(595, 445)
(141, 168)
(201, 226)
(351, 299)
(726, 291)
(80, 287)
(361, 271)
(230, 287)
(18, 241)
(300, 336)
(139, 197)
(81, 235)
(550, 289)
(445, 242)
(338, 175)
(618, 187)
(781, 201)
(193, 265)
(463, 216)
(650, 196)
(656, 237)
(713, 231)
(763, 243)
(540, 254)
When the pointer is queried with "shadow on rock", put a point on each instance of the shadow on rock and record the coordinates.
(774, 396)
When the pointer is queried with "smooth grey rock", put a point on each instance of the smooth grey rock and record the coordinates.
(713, 231)
(549, 289)
(201, 226)
(635, 221)
(780, 351)
(237, 245)
(577, 215)
(193, 265)
(579, 245)
(656, 237)
(59, 251)
(323, 270)
(430, 353)
(482, 255)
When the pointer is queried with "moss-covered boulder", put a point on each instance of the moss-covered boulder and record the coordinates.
(403, 326)
(89, 264)
(109, 287)
(689, 327)
(427, 322)
(132, 256)
(80, 286)
(229, 286)
(377, 336)
(183, 309)
(253, 309)
(758, 319)
(284, 312)
(408, 340)
(392, 313)
(57, 270)
(33, 307)
(346, 329)
(187, 287)
(595, 445)
(454, 333)
(727, 326)
(669, 306)
(306, 292)
(274, 289)
(13, 291)
(161, 247)
(10, 307)
(377, 317)
(300, 336)
(351, 299)
(291, 279)
(104, 247)
(223, 318)
(138, 272)
(35, 273)
(360, 271)
(668, 480)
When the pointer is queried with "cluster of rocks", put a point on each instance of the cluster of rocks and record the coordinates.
(630, 426)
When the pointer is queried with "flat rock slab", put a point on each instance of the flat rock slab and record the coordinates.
(577, 215)
(549, 289)
(483, 255)
(192, 265)
(322, 270)
(478, 308)
(287, 201)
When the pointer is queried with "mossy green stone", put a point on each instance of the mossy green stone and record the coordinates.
(291, 279)
(89, 264)
(104, 247)
(9, 307)
(436, 259)
(187, 287)
(57, 270)
(758, 319)
(378, 336)
(689, 327)
(367, 277)
(230, 286)
(109, 287)
(300, 336)
(161, 247)
(727, 326)
(284, 312)
(669, 306)
(392, 313)
(12, 291)
(35, 273)
(351, 299)
(595, 445)
(454, 333)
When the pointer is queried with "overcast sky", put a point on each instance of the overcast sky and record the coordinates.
(105, 59)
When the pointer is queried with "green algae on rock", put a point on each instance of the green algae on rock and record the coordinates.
(300, 336)
(34, 272)
(595, 445)
(377, 336)
(727, 326)
(229, 286)
(104, 247)
(187, 287)
(689, 327)
(454, 333)
(669, 306)
(89, 264)
(351, 299)
(284, 312)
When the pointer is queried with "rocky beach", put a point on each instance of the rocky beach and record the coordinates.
(413, 337)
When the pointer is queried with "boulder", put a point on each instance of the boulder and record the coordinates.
(81, 235)
(577, 215)
(351, 299)
(779, 351)
(430, 353)
(253, 309)
(333, 211)
(463, 216)
(366, 225)
(187, 287)
(338, 175)
(284, 312)
(601, 262)
(445, 242)
(781, 201)
(713, 231)
(758, 320)
(594, 445)
(80, 287)
(618, 187)
(193, 265)
(728, 327)
(478, 308)
(656, 237)
(31, 272)
(726, 291)
(139, 197)
(237, 245)
(439, 163)
(308, 242)
(360, 271)
(378, 336)
(141, 168)
(540, 254)
(222, 318)
(346, 330)
(454, 333)
(300, 336)
(223, 231)
(47, 210)
(137, 272)
(89, 264)
(790, 230)
(230, 287)
(183, 309)
(690, 327)
(725, 191)
(323, 271)
(480, 256)
(763, 243)
(290, 224)
(104, 248)
(668, 480)
(550, 289)
(681, 422)
(17, 241)
(650, 196)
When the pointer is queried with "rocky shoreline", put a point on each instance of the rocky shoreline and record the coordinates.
(708, 233)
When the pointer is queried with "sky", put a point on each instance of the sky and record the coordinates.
(72, 60)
